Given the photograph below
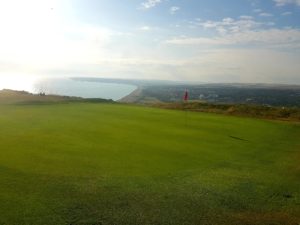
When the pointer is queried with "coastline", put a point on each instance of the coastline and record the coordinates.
(132, 97)
(85, 88)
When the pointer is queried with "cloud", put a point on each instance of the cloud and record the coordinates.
(241, 32)
(264, 14)
(246, 17)
(150, 4)
(145, 28)
(286, 13)
(243, 65)
(285, 2)
(216, 65)
(174, 9)
(198, 41)
(272, 38)
(230, 25)
(240, 49)
(257, 10)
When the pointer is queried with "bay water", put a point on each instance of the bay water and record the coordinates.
(68, 87)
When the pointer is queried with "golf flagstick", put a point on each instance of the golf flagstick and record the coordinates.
(185, 100)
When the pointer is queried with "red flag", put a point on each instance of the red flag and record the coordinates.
(186, 95)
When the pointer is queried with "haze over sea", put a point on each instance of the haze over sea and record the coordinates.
(67, 86)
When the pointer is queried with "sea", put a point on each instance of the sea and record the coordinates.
(67, 87)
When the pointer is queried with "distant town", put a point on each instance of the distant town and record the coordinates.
(170, 91)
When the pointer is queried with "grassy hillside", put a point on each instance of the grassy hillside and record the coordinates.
(85, 163)
(8, 96)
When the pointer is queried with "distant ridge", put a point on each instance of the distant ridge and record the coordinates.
(144, 82)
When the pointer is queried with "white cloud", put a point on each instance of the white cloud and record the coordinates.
(272, 38)
(145, 28)
(150, 4)
(243, 65)
(198, 41)
(285, 2)
(257, 10)
(47, 45)
(212, 65)
(174, 9)
(246, 17)
(227, 21)
(286, 13)
(229, 25)
(264, 14)
(216, 65)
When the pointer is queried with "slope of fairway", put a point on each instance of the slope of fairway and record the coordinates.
(85, 163)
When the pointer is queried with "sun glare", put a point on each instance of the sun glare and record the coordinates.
(17, 82)
(29, 30)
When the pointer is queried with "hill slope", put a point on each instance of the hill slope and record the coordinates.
(84, 163)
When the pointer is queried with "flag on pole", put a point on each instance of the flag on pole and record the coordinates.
(186, 95)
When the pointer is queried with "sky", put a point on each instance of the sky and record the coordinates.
(232, 41)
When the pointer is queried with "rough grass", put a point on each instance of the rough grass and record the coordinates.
(246, 110)
(84, 163)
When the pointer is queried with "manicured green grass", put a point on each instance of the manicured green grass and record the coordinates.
(85, 163)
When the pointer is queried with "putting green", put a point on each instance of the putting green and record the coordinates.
(85, 163)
